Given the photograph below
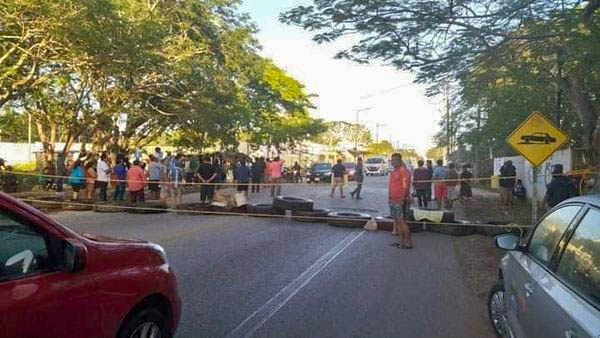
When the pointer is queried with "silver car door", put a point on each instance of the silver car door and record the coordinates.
(526, 297)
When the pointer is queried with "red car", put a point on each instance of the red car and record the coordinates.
(57, 283)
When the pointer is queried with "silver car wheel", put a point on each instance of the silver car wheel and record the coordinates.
(498, 314)
(147, 330)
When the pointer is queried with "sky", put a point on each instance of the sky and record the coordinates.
(388, 97)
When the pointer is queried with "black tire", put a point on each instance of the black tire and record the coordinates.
(257, 210)
(347, 219)
(195, 208)
(152, 208)
(78, 205)
(387, 224)
(496, 310)
(150, 315)
(320, 216)
(54, 203)
(384, 223)
(108, 207)
(292, 203)
(448, 216)
(234, 211)
(499, 229)
(453, 230)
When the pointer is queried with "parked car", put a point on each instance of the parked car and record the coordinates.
(55, 282)
(319, 172)
(549, 284)
(351, 167)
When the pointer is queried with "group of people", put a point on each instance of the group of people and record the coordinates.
(445, 182)
(559, 189)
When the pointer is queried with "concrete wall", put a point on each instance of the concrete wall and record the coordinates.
(525, 170)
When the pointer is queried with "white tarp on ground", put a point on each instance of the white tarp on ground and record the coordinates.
(525, 171)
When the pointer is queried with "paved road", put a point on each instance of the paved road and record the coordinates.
(242, 276)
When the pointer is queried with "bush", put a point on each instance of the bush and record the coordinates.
(25, 167)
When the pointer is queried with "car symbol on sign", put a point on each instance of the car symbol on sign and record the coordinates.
(537, 138)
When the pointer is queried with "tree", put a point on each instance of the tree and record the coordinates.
(445, 39)
(381, 148)
(435, 154)
(341, 131)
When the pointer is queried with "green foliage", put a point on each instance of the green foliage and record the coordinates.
(381, 148)
(434, 154)
(503, 59)
(182, 70)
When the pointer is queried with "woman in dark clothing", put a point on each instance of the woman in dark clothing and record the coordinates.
(465, 184)
(360, 177)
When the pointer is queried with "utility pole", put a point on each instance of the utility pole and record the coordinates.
(356, 126)
(377, 125)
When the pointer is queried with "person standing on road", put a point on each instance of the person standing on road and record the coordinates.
(452, 183)
(276, 167)
(154, 177)
(422, 183)
(207, 173)
(399, 200)
(466, 194)
(61, 172)
(120, 172)
(440, 173)
(177, 176)
(338, 171)
(165, 189)
(77, 178)
(429, 165)
(560, 188)
(158, 154)
(360, 177)
(90, 179)
(268, 167)
(257, 174)
(508, 174)
(135, 182)
(297, 175)
(242, 176)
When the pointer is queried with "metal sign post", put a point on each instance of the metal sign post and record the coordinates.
(534, 205)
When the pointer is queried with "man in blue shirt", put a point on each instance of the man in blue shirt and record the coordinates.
(440, 173)
(120, 171)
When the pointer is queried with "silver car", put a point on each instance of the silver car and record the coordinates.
(550, 282)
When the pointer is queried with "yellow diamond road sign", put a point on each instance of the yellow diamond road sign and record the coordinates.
(537, 139)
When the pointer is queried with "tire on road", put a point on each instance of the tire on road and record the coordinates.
(78, 205)
(499, 229)
(45, 202)
(152, 208)
(257, 210)
(195, 208)
(460, 229)
(387, 224)
(108, 207)
(135, 321)
(346, 219)
(292, 203)
(314, 216)
(232, 211)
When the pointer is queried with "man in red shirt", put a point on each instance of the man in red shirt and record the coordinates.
(399, 200)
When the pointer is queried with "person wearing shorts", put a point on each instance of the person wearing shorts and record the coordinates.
(440, 189)
(338, 172)
(399, 200)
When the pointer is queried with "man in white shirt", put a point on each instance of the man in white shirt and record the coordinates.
(158, 154)
(103, 171)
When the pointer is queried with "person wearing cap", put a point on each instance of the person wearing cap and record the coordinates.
(560, 188)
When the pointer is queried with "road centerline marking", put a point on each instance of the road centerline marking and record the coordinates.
(258, 318)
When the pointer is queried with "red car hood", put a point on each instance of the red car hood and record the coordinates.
(106, 239)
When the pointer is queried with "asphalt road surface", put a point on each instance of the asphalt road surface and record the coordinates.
(242, 276)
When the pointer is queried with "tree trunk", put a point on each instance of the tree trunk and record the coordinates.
(588, 116)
